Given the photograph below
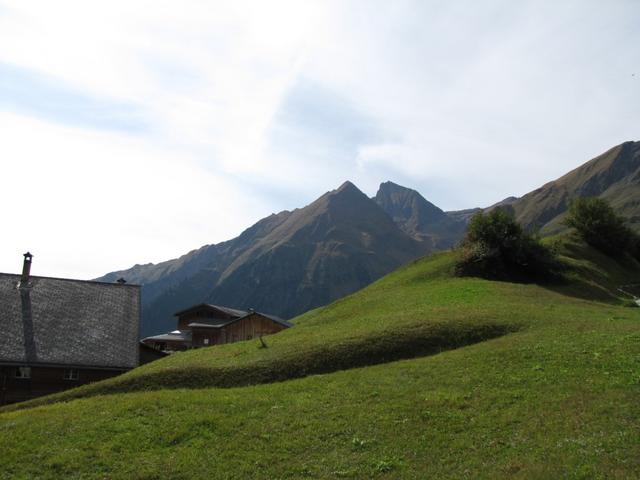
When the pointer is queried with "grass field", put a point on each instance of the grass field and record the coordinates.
(420, 375)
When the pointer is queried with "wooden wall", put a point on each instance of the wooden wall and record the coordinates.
(172, 345)
(43, 381)
(247, 328)
(149, 354)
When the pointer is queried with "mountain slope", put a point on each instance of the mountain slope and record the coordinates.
(329, 249)
(285, 264)
(419, 218)
(614, 175)
(171, 285)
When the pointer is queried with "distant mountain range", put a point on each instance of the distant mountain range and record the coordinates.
(297, 260)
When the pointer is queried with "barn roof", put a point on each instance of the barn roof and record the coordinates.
(211, 324)
(275, 319)
(69, 322)
(208, 306)
(171, 336)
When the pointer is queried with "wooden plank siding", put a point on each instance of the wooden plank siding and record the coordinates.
(247, 328)
(45, 380)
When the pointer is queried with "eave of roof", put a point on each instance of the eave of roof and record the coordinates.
(227, 310)
(4, 363)
(269, 317)
(276, 319)
(149, 348)
(171, 337)
(113, 284)
(209, 325)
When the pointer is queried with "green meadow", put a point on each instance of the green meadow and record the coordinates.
(420, 375)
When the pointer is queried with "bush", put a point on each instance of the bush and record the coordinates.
(599, 226)
(497, 247)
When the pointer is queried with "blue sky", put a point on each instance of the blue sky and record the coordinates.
(146, 129)
(35, 94)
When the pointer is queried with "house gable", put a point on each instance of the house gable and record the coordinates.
(205, 325)
(252, 325)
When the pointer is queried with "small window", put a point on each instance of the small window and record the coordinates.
(23, 372)
(71, 374)
(206, 341)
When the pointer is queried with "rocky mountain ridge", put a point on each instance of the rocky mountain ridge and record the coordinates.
(293, 261)
(613, 175)
(285, 264)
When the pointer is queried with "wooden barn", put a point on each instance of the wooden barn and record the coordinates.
(205, 325)
(59, 333)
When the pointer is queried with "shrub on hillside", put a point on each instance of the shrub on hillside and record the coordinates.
(600, 226)
(496, 246)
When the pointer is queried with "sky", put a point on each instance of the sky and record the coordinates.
(135, 131)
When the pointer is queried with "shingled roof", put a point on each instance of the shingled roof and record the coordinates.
(69, 322)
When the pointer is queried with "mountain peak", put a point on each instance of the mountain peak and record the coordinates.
(392, 196)
(390, 186)
(345, 193)
(347, 186)
(410, 210)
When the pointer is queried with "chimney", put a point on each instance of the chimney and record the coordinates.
(26, 270)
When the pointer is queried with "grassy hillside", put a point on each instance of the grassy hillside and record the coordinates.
(543, 383)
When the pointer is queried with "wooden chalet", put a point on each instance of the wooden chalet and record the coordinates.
(60, 333)
(205, 325)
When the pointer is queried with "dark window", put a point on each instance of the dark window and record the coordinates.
(71, 374)
(23, 372)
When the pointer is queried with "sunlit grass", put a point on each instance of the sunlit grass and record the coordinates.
(555, 395)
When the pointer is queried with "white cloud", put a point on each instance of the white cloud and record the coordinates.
(86, 203)
(466, 101)
(242, 56)
(493, 98)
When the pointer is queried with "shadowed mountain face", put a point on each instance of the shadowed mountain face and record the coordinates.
(285, 264)
(614, 176)
(410, 210)
(421, 219)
